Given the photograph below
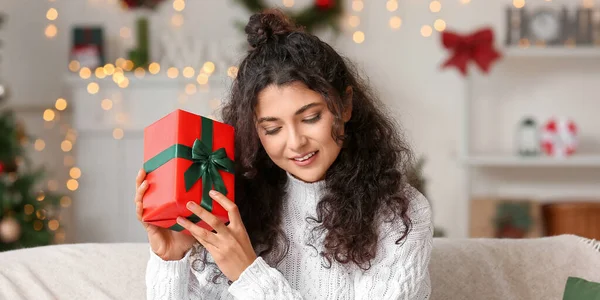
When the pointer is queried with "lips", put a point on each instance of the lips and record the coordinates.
(305, 156)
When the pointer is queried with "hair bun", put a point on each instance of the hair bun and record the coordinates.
(266, 26)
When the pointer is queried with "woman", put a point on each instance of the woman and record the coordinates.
(324, 211)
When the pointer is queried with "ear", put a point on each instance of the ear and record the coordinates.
(347, 114)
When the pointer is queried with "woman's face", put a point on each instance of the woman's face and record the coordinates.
(294, 126)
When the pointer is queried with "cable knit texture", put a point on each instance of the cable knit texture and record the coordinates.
(397, 272)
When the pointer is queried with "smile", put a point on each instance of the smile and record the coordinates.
(305, 157)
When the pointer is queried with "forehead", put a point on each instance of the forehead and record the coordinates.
(281, 100)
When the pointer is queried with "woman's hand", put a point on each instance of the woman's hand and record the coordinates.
(166, 243)
(230, 247)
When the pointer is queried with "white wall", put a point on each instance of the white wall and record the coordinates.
(402, 65)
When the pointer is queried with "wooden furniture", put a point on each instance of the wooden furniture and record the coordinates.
(580, 218)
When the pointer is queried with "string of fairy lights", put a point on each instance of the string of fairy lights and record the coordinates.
(52, 14)
(354, 21)
(395, 20)
(203, 73)
(53, 222)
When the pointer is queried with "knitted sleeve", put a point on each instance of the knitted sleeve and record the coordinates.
(177, 280)
(401, 271)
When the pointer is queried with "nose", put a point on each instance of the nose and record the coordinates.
(297, 140)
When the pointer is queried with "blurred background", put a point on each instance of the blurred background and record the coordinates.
(508, 148)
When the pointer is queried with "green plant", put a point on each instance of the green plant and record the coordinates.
(514, 214)
(416, 179)
(29, 214)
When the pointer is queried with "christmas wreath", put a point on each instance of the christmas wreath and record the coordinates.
(321, 14)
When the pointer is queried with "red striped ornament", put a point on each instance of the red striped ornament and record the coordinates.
(559, 137)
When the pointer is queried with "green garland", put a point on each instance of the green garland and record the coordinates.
(313, 18)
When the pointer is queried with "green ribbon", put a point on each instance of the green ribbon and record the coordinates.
(206, 165)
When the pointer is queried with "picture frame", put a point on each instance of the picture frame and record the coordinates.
(552, 26)
(88, 46)
(515, 21)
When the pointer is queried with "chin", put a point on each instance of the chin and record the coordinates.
(308, 176)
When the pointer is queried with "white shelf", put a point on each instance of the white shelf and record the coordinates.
(553, 52)
(499, 161)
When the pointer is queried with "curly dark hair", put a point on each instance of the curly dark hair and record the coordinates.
(366, 183)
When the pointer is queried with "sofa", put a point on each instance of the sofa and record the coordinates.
(460, 269)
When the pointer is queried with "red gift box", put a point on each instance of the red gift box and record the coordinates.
(184, 156)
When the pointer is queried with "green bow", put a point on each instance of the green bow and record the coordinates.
(206, 166)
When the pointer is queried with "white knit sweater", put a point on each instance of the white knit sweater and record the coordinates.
(397, 272)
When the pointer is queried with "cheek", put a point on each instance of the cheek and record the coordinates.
(273, 145)
(324, 132)
(324, 135)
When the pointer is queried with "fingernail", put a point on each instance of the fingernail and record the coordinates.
(180, 220)
(213, 193)
(144, 183)
(191, 205)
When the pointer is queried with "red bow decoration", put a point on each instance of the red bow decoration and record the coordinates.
(478, 46)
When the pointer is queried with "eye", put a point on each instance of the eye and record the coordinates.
(314, 119)
(272, 131)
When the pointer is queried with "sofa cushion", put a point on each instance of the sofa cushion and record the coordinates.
(581, 289)
(510, 268)
(74, 271)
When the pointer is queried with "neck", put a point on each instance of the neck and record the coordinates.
(303, 197)
(298, 183)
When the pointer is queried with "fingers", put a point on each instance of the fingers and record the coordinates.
(140, 178)
(232, 209)
(140, 186)
(205, 237)
(139, 210)
(207, 217)
(139, 195)
(210, 247)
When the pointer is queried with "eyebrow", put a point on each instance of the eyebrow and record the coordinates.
(301, 110)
